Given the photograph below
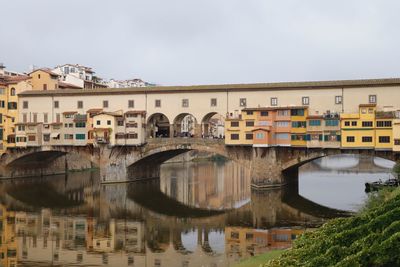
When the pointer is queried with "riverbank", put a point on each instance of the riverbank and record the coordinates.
(260, 259)
(370, 238)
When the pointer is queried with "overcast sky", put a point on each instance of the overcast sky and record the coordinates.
(173, 42)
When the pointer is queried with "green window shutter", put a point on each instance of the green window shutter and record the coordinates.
(320, 137)
(326, 137)
(338, 137)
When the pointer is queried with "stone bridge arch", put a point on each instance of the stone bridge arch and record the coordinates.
(39, 161)
(121, 164)
(277, 166)
(147, 164)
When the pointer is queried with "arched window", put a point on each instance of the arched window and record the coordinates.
(12, 92)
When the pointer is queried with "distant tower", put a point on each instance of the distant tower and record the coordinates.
(2, 67)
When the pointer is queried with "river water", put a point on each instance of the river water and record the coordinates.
(196, 214)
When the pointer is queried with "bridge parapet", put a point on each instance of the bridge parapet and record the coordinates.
(182, 140)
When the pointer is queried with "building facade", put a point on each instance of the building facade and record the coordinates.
(368, 129)
(283, 114)
(79, 76)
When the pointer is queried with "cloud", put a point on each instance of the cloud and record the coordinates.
(203, 42)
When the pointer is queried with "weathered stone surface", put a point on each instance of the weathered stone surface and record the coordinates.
(268, 165)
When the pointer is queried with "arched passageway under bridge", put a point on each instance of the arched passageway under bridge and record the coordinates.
(37, 161)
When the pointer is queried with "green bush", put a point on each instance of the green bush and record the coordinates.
(396, 170)
(371, 238)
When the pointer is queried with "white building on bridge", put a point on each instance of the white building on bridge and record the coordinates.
(167, 106)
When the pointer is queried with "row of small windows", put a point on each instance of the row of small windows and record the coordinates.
(295, 124)
(369, 139)
(281, 113)
(79, 136)
(213, 102)
(293, 137)
(305, 100)
(120, 123)
(369, 123)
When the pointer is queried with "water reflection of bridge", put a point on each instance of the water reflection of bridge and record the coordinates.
(269, 209)
(160, 220)
(348, 164)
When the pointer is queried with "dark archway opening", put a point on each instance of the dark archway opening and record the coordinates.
(158, 125)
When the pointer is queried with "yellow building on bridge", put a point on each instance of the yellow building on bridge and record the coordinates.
(368, 129)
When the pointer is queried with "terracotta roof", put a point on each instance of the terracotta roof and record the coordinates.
(261, 129)
(16, 79)
(367, 105)
(101, 129)
(316, 85)
(94, 110)
(115, 114)
(136, 112)
(68, 85)
(28, 123)
(69, 112)
(315, 117)
(47, 70)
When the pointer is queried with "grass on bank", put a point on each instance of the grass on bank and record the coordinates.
(257, 261)
(370, 238)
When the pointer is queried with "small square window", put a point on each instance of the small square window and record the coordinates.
(25, 104)
(372, 99)
(80, 104)
(97, 122)
(131, 103)
(305, 100)
(157, 103)
(338, 99)
(274, 101)
(242, 102)
(56, 104)
(108, 122)
(185, 103)
(105, 103)
(213, 102)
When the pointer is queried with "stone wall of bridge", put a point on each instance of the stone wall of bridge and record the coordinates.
(42, 161)
(270, 166)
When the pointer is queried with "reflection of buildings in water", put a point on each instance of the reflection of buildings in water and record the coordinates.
(147, 237)
(8, 244)
(206, 185)
(246, 242)
(30, 238)
(42, 237)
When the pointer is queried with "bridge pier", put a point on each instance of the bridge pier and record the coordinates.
(266, 169)
(273, 166)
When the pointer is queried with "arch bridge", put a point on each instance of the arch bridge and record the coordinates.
(269, 166)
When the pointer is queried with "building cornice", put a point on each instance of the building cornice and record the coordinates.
(221, 88)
